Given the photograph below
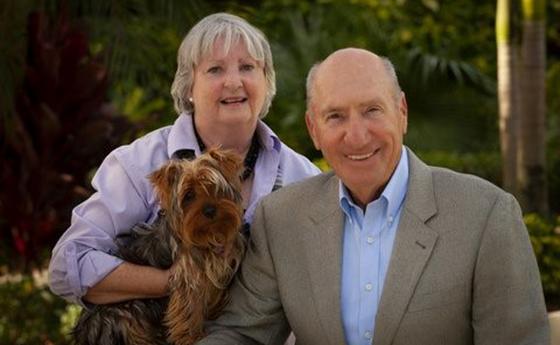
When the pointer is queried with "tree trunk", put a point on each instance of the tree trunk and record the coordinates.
(532, 145)
(507, 93)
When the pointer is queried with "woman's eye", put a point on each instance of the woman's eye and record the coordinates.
(247, 67)
(214, 69)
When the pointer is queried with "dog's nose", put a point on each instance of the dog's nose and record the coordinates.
(209, 211)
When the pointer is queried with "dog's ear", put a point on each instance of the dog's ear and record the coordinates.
(229, 162)
(164, 179)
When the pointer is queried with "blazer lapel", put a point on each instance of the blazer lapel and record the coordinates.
(322, 236)
(413, 246)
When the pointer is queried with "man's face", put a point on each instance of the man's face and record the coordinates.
(357, 119)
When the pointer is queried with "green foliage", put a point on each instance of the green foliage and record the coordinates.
(31, 314)
(444, 84)
(68, 319)
(553, 83)
(322, 164)
(139, 39)
(436, 46)
(483, 164)
(553, 132)
(545, 238)
(553, 169)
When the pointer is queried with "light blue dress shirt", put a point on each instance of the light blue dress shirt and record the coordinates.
(124, 197)
(368, 241)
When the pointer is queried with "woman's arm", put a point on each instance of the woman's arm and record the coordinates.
(129, 281)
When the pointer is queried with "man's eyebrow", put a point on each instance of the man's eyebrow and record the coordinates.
(335, 108)
(330, 109)
(371, 101)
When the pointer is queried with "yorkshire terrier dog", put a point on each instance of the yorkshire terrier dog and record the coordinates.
(198, 236)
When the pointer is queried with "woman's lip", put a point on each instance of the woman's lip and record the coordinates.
(232, 100)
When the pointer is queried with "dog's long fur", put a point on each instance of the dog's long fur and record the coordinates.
(197, 237)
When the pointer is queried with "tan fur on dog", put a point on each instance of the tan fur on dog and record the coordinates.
(198, 235)
(203, 197)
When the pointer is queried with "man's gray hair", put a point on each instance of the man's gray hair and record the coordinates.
(199, 42)
(387, 64)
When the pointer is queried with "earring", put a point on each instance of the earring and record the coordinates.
(191, 100)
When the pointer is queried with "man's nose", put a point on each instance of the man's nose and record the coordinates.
(356, 132)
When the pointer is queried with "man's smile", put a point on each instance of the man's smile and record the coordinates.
(363, 156)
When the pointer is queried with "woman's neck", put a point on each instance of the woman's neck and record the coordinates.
(236, 138)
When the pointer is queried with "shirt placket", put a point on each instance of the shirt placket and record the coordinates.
(370, 249)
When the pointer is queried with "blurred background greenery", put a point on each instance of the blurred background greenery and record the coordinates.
(78, 78)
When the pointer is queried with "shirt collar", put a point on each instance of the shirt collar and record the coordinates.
(181, 136)
(268, 139)
(394, 193)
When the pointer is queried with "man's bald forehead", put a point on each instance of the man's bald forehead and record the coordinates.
(348, 58)
(342, 55)
(351, 61)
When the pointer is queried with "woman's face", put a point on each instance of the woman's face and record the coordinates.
(228, 89)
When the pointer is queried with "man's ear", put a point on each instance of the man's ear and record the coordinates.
(403, 112)
(312, 128)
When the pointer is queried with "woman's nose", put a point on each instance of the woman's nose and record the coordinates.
(233, 80)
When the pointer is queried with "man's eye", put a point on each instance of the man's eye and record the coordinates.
(333, 117)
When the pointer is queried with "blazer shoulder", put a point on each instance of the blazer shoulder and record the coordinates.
(299, 192)
(464, 188)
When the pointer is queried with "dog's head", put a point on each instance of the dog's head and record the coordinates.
(202, 198)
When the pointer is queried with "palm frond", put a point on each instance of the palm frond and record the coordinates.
(433, 67)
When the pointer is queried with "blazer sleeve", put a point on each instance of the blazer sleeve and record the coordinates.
(508, 305)
(254, 314)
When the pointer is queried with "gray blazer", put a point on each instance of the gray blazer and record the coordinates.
(462, 269)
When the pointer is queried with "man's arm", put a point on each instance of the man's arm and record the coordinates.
(254, 314)
(508, 304)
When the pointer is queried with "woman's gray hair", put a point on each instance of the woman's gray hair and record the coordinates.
(199, 42)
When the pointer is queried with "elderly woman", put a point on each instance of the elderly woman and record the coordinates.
(223, 87)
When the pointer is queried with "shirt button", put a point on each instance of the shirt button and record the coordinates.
(390, 219)
(369, 287)
(370, 239)
(367, 335)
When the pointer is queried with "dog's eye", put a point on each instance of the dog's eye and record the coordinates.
(189, 196)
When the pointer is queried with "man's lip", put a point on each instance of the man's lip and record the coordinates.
(362, 156)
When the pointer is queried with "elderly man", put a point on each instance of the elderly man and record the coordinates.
(384, 249)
